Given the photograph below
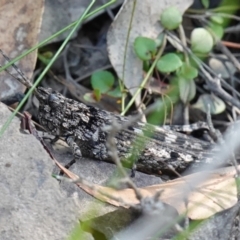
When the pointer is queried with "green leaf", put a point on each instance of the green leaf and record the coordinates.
(205, 3)
(159, 39)
(171, 18)
(146, 65)
(170, 62)
(201, 41)
(217, 30)
(116, 92)
(187, 89)
(188, 72)
(145, 48)
(216, 104)
(217, 19)
(181, 56)
(102, 80)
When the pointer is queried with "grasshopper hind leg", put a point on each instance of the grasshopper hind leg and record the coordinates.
(75, 148)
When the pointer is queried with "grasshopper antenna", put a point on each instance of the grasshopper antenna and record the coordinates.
(22, 79)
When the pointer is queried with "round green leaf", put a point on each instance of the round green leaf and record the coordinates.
(180, 55)
(216, 104)
(217, 19)
(187, 89)
(145, 48)
(171, 18)
(116, 92)
(217, 30)
(102, 80)
(168, 63)
(201, 40)
(188, 72)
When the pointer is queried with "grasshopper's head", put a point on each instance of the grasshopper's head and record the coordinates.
(42, 94)
(47, 96)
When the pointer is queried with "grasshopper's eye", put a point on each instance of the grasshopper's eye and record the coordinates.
(53, 100)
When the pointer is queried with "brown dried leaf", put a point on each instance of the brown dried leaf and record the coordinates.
(20, 22)
(216, 193)
(135, 18)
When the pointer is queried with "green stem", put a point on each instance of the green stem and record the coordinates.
(126, 50)
(184, 41)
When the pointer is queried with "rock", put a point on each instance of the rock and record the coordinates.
(32, 205)
(58, 14)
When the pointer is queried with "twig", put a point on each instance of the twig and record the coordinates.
(113, 130)
(214, 85)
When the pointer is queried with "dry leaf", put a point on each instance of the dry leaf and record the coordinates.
(215, 193)
(19, 26)
(135, 18)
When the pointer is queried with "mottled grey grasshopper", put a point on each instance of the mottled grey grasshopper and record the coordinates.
(82, 128)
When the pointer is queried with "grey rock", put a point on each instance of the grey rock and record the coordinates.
(58, 14)
(32, 206)
(223, 225)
